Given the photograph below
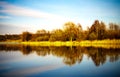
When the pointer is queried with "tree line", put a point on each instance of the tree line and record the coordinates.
(70, 32)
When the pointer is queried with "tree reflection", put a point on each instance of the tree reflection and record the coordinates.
(42, 51)
(97, 55)
(70, 55)
(26, 49)
(8, 47)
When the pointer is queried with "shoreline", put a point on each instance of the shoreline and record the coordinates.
(85, 43)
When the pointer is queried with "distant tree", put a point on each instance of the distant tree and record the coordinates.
(57, 35)
(102, 30)
(43, 38)
(98, 29)
(81, 35)
(41, 31)
(41, 35)
(79, 27)
(2, 38)
(113, 32)
(10, 37)
(113, 26)
(26, 36)
(72, 31)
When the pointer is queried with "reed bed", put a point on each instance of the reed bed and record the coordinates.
(96, 43)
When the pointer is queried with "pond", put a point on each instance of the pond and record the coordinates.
(38, 61)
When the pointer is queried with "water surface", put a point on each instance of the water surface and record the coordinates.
(32, 61)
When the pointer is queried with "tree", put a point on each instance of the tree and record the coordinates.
(42, 38)
(26, 36)
(80, 27)
(41, 31)
(113, 32)
(92, 36)
(57, 35)
(98, 29)
(72, 31)
(2, 38)
(113, 26)
(102, 30)
(41, 35)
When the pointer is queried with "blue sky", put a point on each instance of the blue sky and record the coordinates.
(32, 15)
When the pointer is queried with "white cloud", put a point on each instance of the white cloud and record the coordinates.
(20, 11)
(26, 12)
(51, 21)
(47, 21)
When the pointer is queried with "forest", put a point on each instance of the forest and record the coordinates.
(70, 32)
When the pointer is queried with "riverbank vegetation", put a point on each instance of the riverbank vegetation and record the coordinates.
(71, 34)
(85, 43)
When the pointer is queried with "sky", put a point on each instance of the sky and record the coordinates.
(17, 16)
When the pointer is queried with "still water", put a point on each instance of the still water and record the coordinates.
(36, 61)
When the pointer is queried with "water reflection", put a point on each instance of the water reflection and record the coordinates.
(70, 55)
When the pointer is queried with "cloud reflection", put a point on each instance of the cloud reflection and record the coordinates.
(33, 70)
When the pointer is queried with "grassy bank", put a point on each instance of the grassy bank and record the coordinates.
(86, 43)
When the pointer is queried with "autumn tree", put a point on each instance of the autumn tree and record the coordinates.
(113, 26)
(97, 31)
(42, 35)
(57, 35)
(2, 38)
(113, 32)
(26, 36)
(41, 31)
(72, 31)
(102, 30)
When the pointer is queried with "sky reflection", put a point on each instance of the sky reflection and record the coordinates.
(58, 61)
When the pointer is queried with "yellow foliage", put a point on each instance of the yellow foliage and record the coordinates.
(96, 43)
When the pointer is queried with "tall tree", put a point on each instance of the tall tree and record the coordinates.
(98, 30)
(113, 26)
(72, 31)
(57, 35)
(26, 36)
